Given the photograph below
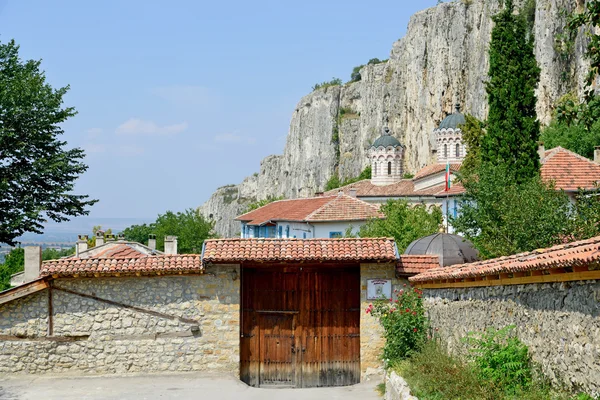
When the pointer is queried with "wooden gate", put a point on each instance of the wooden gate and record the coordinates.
(300, 326)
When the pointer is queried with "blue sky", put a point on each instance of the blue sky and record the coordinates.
(178, 98)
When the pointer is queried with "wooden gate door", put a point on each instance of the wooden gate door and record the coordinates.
(300, 326)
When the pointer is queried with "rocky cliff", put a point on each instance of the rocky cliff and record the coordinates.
(441, 60)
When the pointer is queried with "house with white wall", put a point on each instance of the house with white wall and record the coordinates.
(317, 217)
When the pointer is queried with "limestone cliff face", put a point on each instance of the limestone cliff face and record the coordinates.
(441, 60)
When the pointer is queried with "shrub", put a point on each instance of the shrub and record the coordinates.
(326, 84)
(403, 321)
(501, 359)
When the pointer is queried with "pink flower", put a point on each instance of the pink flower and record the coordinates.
(415, 329)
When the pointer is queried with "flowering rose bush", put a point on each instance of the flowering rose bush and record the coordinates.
(403, 321)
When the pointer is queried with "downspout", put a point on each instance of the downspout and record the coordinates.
(202, 255)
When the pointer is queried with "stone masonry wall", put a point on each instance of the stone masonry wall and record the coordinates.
(92, 336)
(371, 332)
(560, 322)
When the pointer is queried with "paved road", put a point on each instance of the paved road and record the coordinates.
(175, 386)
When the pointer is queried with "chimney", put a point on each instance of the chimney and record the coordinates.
(110, 238)
(152, 241)
(33, 263)
(352, 192)
(170, 244)
(319, 194)
(99, 238)
(81, 245)
(541, 151)
(597, 154)
(120, 236)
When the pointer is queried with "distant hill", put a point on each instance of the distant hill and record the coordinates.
(66, 232)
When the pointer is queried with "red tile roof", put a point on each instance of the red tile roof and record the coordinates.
(360, 250)
(568, 170)
(149, 265)
(345, 208)
(435, 169)
(416, 264)
(316, 209)
(119, 250)
(572, 254)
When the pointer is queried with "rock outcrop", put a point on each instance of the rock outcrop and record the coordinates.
(442, 60)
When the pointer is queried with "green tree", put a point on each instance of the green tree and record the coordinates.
(513, 129)
(37, 173)
(54, 254)
(190, 227)
(502, 217)
(355, 75)
(574, 137)
(12, 264)
(403, 222)
(138, 233)
(472, 134)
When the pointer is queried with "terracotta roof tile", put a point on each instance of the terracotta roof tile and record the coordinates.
(435, 169)
(120, 251)
(167, 264)
(345, 208)
(416, 264)
(572, 254)
(568, 170)
(328, 208)
(360, 250)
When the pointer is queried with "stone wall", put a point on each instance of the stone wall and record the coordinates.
(371, 332)
(182, 323)
(560, 322)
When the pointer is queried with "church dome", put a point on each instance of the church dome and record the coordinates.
(386, 140)
(451, 249)
(454, 120)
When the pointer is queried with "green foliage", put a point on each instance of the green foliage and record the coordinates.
(37, 174)
(54, 254)
(472, 134)
(138, 233)
(501, 359)
(502, 217)
(92, 237)
(334, 182)
(403, 222)
(513, 129)
(355, 75)
(13, 263)
(588, 112)
(262, 203)
(326, 84)
(190, 227)
(573, 137)
(408, 176)
(374, 61)
(403, 321)
(435, 374)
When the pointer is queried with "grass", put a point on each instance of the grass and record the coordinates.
(434, 374)
(380, 389)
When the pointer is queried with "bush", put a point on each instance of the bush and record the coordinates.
(326, 84)
(501, 359)
(355, 75)
(403, 321)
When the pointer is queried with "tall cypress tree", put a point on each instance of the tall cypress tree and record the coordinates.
(513, 129)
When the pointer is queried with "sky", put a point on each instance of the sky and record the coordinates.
(176, 98)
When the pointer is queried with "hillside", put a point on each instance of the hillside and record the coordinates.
(441, 60)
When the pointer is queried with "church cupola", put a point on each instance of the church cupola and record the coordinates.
(448, 138)
(386, 155)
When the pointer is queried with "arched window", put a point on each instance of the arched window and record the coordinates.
(445, 150)
(457, 150)
(389, 168)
